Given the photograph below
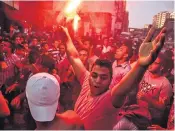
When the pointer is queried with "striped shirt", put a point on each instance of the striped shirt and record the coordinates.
(61, 57)
(9, 72)
(96, 112)
(119, 71)
(55, 53)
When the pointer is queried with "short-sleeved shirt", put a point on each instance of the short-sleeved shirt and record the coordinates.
(119, 71)
(54, 52)
(159, 89)
(97, 112)
(9, 72)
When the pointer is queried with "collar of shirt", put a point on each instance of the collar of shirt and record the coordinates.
(123, 65)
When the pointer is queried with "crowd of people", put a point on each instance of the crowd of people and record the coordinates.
(58, 82)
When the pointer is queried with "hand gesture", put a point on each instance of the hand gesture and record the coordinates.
(149, 50)
(65, 33)
(11, 88)
(16, 102)
(3, 65)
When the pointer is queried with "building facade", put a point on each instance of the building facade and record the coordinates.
(6, 9)
(172, 15)
(121, 17)
(160, 18)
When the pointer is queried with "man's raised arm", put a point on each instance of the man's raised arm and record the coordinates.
(73, 55)
(148, 52)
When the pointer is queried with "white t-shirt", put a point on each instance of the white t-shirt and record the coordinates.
(119, 71)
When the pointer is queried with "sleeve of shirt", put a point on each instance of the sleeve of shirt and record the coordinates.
(166, 92)
(84, 78)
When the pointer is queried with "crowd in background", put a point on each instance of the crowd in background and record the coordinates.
(23, 55)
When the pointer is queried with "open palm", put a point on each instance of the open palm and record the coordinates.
(149, 50)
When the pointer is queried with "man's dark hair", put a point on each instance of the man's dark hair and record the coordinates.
(47, 62)
(43, 44)
(103, 63)
(128, 44)
(20, 47)
(33, 56)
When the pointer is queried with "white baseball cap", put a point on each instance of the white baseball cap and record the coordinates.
(43, 92)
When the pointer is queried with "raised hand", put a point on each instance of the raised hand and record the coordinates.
(150, 49)
(65, 32)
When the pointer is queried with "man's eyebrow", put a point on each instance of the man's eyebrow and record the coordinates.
(100, 74)
(103, 75)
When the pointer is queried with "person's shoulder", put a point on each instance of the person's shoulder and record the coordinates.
(71, 117)
(64, 62)
(166, 82)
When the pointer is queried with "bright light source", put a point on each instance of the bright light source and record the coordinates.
(75, 23)
(72, 6)
(70, 12)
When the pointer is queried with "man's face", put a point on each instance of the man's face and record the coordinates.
(99, 80)
(20, 52)
(26, 46)
(87, 44)
(110, 41)
(105, 41)
(156, 66)
(6, 48)
(46, 47)
(11, 28)
(62, 49)
(121, 52)
(56, 44)
(34, 41)
(83, 56)
(17, 40)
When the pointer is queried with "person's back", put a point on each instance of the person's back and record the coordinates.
(43, 92)
(68, 120)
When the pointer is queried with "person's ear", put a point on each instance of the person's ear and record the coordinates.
(125, 56)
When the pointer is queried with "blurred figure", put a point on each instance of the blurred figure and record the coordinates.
(44, 85)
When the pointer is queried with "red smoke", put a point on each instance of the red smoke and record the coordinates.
(30, 11)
